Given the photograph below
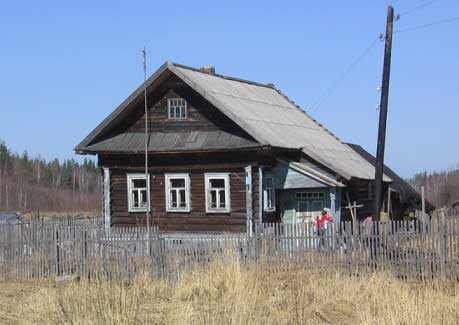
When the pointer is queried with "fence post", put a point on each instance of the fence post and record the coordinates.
(256, 243)
(55, 251)
(443, 245)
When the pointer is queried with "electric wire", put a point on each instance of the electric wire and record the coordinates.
(334, 86)
(420, 6)
(439, 22)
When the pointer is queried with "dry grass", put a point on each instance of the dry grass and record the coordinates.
(226, 293)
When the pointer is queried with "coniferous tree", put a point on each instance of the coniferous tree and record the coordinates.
(34, 184)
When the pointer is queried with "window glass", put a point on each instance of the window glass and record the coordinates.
(317, 206)
(139, 183)
(216, 183)
(309, 204)
(269, 182)
(213, 199)
(182, 198)
(136, 198)
(222, 198)
(309, 195)
(269, 202)
(177, 182)
(303, 206)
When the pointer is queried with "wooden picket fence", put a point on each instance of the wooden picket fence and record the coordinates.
(409, 249)
(414, 250)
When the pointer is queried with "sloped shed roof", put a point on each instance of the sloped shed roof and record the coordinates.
(400, 185)
(267, 115)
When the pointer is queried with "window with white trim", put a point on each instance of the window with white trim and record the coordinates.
(177, 192)
(137, 192)
(217, 193)
(176, 108)
(269, 200)
(309, 195)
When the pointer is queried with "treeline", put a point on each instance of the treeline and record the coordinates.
(441, 188)
(35, 184)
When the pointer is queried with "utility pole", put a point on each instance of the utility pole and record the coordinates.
(383, 115)
(147, 179)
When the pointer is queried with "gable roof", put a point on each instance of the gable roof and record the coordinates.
(263, 112)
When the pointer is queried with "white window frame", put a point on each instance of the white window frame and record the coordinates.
(130, 178)
(306, 195)
(265, 194)
(168, 178)
(182, 107)
(226, 177)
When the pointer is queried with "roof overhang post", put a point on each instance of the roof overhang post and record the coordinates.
(249, 199)
(260, 195)
(335, 205)
(107, 215)
(333, 201)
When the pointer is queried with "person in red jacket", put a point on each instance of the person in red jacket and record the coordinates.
(321, 224)
(322, 219)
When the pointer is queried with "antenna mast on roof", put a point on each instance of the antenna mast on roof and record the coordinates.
(147, 178)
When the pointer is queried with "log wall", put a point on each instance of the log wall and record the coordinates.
(197, 220)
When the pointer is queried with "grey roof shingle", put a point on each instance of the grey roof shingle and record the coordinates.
(272, 119)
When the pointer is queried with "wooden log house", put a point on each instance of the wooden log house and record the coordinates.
(224, 153)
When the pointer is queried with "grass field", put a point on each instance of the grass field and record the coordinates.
(226, 293)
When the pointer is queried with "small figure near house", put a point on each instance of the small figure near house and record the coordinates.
(321, 224)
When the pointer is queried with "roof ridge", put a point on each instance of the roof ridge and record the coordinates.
(250, 82)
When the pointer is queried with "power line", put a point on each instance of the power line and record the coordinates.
(330, 90)
(440, 22)
(420, 6)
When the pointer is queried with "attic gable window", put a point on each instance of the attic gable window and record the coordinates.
(176, 108)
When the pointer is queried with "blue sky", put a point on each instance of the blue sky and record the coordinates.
(66, 65)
